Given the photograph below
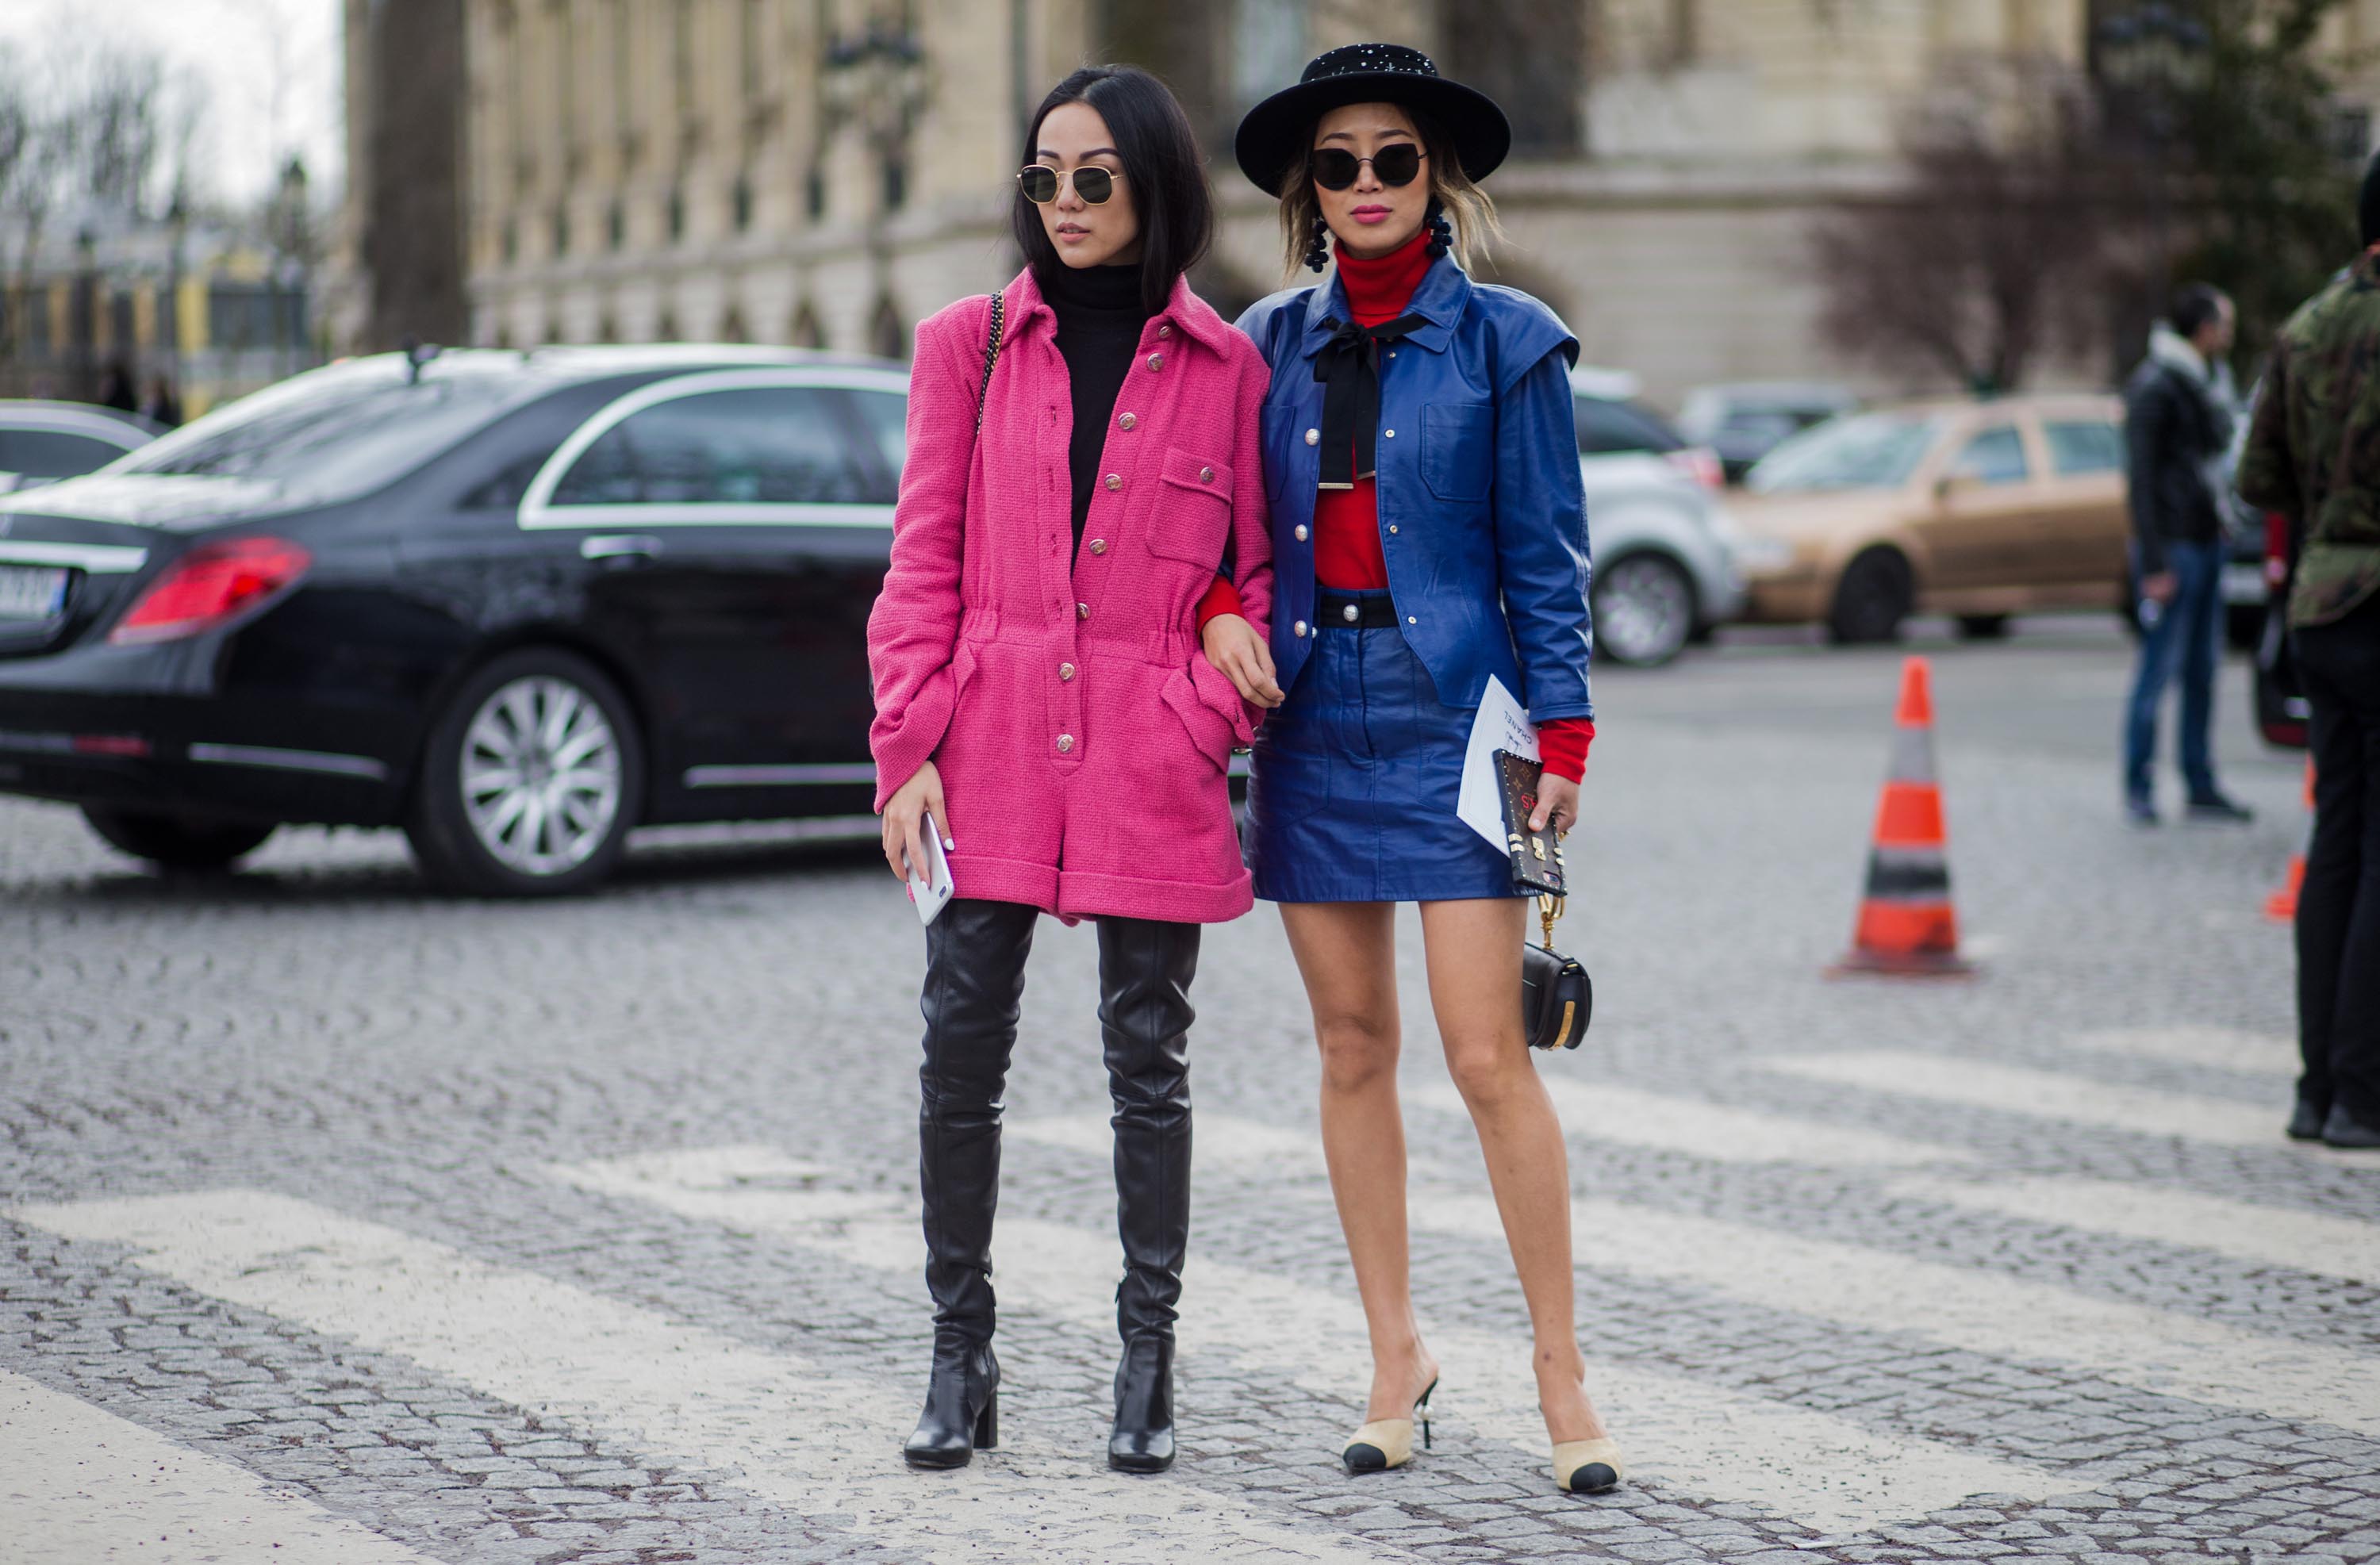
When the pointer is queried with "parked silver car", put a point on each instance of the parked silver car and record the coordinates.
(42, 443)
(1665, 565)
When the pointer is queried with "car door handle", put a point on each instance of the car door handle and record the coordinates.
(620, 546)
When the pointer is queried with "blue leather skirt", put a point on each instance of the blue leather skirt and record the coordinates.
(1352, 781)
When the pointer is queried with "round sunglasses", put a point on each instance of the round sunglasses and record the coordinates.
(1335, 168)
(1042, 183)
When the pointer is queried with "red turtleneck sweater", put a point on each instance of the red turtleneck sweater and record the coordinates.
(1347, 554)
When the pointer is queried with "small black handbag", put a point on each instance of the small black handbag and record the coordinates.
(1557, 997)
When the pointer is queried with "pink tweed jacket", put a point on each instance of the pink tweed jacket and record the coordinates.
(1082, 735)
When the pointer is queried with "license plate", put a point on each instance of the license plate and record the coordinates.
(32, 592)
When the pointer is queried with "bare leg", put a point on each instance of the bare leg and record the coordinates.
(1346, 951)
(1474, 951)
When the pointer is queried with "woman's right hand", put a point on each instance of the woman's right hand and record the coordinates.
(905, 829)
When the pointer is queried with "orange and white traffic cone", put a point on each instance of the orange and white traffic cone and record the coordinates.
(2281, 907)
(1906, 924)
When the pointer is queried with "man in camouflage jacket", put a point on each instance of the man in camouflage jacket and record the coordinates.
(2313, 455)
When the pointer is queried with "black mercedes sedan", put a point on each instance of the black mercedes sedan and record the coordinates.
(513, 602)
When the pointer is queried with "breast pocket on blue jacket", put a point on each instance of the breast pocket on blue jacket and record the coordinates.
(1458, 449)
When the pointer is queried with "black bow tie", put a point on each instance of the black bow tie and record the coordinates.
(1349, 367)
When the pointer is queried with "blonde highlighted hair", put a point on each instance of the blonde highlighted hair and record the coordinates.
(1468, 207)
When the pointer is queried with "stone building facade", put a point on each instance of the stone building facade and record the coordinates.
(828, 172)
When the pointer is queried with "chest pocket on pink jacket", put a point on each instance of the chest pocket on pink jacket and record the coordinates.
(1192, 515)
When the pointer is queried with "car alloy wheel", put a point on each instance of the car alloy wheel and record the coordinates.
(1644, 611)
(541, 775)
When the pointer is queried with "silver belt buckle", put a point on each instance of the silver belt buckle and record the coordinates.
(1351, 613)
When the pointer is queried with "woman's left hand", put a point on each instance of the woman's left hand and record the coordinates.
(1233, 645)
(1557, 801)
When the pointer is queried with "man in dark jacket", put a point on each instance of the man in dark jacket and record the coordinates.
(2177, 422)
(2313, 455)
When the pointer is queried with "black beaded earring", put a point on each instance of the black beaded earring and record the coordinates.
(1318, 254)
(1441, 232)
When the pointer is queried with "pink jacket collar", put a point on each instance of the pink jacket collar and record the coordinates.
(1191, 315)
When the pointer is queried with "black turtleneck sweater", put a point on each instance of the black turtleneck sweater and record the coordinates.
(1100, 323)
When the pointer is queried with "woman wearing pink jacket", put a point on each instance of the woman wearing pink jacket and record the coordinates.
(1056, 694)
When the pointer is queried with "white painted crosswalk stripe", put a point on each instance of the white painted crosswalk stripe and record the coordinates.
(2228, 1048)
(1631, 1116)
(1215, 1138)
(1709, 1440)
(2153, 1350)
(820, 1444)
(79, 1485)
(2050, 1095)
(2277, 1236)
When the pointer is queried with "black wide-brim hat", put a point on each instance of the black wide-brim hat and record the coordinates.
(1271, 139)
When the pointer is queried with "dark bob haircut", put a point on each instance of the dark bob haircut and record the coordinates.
(1161, 168)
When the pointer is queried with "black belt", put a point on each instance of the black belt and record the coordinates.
(1337, 611)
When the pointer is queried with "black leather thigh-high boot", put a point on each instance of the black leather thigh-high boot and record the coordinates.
(975, 984)
(1144, 972)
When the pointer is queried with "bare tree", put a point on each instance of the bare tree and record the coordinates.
(117, 108)
(38, 147)
(1989, 253)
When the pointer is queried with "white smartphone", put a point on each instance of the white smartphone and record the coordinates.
(932, 894)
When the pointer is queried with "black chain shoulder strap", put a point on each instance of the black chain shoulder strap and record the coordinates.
(991, 357)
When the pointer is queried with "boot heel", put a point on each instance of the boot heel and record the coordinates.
(987, 1425)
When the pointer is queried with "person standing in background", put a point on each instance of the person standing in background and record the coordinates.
(161, 406)
(2177, 422)
(116, 388)
(2313, 455)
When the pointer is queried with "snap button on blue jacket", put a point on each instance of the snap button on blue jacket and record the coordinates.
(1482, 520)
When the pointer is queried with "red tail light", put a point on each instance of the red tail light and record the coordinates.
(211, 584)
(1701, 464)
(2277, 549)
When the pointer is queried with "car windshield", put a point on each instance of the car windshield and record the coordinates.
(1868, 451)
(332, 435)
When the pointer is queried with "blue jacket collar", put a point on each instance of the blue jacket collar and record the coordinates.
(1444, 290)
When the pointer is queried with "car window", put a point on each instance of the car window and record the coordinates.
(510, 483)
(2079, 447)
(1862, 451)
(1993, 457)
(1606, 428)
(771, 446)
(1748, 426)
(331, 435)
(53, 454)
(885, 415)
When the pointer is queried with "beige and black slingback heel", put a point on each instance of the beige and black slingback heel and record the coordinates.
(1388, 1443)
(1588, 1467)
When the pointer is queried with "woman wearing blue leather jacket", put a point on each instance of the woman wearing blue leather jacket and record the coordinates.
(1428, 535)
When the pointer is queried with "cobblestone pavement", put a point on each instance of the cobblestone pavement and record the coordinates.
(342, 1223)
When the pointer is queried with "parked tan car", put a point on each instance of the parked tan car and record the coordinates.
(1976, 509)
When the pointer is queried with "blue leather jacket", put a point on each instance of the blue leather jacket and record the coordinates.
(1482, 520)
